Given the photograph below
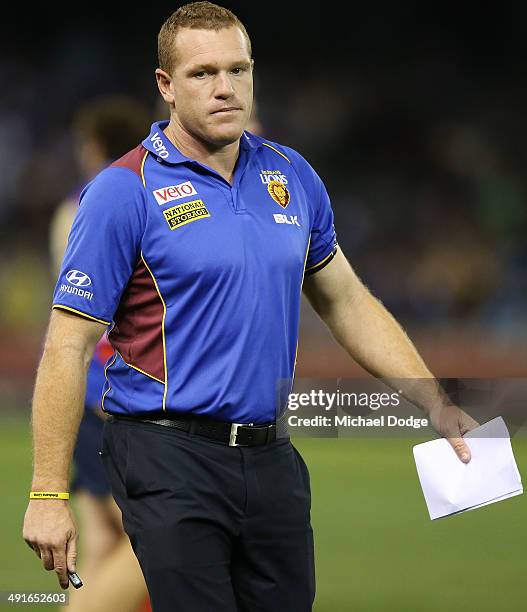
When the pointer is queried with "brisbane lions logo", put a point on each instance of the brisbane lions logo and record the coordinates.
(279, 193)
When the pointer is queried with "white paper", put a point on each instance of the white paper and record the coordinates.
(451, 486)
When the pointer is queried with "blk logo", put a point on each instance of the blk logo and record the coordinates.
(291, 220)
(78, 278)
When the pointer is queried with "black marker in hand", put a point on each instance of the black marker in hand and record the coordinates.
(75, 580)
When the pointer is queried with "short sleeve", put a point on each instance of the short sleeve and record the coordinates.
(323, 242)
(104, 245)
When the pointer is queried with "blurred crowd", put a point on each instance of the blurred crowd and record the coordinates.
(426, 174)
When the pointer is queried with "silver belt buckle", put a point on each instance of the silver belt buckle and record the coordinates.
(234, 433)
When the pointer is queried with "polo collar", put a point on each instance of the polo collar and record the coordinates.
(158, 143)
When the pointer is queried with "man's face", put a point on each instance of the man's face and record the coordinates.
(212, 84)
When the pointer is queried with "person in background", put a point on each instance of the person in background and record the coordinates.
(103, 131)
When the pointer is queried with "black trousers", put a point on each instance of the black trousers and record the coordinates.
(215, 528)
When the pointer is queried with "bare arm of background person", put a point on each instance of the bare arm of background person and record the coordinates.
(371, 336)
(58, 403)
(58, 232)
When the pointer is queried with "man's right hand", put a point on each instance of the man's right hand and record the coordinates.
(49, 529)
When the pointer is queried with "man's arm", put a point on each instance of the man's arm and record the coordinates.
(371, 336)
(58, 402)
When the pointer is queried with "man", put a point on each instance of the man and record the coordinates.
(193, 248)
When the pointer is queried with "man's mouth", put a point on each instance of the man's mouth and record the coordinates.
(227, 109)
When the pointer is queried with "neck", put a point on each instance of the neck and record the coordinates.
(221, 158)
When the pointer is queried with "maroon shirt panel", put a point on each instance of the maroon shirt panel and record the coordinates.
(138, 330)
(132, 160)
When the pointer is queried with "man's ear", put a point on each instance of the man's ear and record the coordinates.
(164, 82)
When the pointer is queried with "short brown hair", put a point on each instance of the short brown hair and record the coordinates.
(197, 16)
(117, 123)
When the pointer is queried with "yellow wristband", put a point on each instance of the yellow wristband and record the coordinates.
(48, 495)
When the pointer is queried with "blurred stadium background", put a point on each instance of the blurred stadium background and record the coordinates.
(415, 119)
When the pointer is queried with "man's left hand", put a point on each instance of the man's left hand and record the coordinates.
(453, 423)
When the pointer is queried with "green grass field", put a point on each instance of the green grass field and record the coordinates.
(376, 548)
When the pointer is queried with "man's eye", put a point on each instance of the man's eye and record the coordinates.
(201, 74)
(237, 70)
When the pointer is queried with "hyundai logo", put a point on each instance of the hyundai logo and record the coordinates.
(78, 278)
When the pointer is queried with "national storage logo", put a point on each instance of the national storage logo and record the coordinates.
(182, 214)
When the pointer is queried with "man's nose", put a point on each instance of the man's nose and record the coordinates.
(223, 86)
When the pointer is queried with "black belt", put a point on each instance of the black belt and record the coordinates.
(232, 434)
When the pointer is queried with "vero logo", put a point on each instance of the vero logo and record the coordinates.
(174, 192)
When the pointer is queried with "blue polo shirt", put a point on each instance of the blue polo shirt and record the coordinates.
(199, 280)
